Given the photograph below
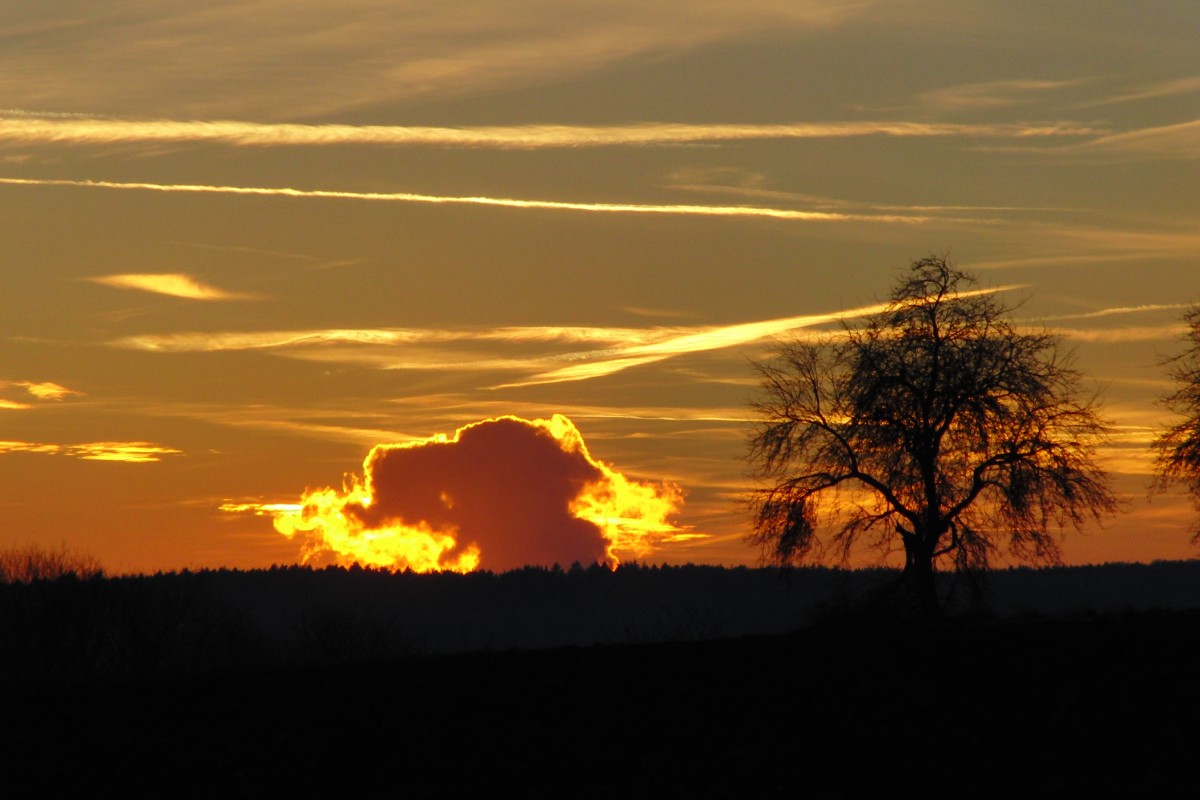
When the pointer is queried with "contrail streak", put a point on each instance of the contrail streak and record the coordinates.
(27, 127)
(717, 338)
(505, 202)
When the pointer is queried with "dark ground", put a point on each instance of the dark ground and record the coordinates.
(1099, 704)
(644, 682)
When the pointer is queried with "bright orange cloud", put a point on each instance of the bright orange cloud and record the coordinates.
(499, 494)
(27, 447)
(130, 452)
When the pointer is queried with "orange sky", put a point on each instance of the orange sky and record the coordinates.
(245, 246)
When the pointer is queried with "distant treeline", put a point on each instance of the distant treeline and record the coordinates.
(215, 619)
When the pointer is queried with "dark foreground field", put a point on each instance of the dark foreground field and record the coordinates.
(1089, 702)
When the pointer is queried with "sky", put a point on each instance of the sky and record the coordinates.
(523, 253)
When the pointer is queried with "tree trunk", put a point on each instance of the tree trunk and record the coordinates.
(918, 580)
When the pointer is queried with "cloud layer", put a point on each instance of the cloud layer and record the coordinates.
(299, 56)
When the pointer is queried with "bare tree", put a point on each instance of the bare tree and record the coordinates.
(938, 428)
(1178, 448)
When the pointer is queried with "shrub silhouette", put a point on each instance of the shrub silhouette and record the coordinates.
(33, 562)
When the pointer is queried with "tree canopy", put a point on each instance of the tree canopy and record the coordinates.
(938, 428)
(1178, 448)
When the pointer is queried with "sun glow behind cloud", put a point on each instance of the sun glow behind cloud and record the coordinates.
(497, 494)
(709, 192)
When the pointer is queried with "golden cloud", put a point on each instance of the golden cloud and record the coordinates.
(130, 452)
(47, 390)
(28, 447)
(170, 284)
(36, 390)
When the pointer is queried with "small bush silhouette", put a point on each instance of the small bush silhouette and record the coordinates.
(33, 562)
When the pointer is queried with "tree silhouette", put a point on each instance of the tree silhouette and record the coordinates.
(1178, 448)
(938, 427)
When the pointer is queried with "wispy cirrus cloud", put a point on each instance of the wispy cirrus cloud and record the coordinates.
(1057, 260)
(30, 128)
(609, 344)
(170, 284)
(1167, 88)
(1065, 245)
(991, 94)
(1143, 333)
(271, 340)
(1181, 140)
(1121, 310)
(364, 423)
(699, 341)
(943, 211)
(612, 350)
(280, 58)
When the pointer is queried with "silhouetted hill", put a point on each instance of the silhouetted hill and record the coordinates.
(1082, 707)
(647, 682)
